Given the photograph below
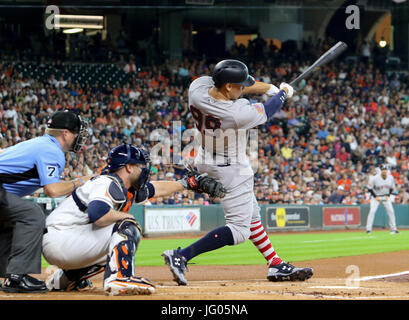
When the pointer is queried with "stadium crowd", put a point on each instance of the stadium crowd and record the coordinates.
(340, 125)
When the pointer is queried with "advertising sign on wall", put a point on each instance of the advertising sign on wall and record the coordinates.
(287, 217)
(165, 220)
(341, 216)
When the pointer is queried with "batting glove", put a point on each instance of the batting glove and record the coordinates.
(287, 88)
(272, 91)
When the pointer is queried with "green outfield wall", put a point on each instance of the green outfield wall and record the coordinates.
(275, 218)
(172, 219)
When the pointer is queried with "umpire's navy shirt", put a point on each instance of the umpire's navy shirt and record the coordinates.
(35, 162)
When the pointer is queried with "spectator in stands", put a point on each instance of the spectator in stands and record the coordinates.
(311, 132)
(130, 67)
(337, 196)
(343, 155)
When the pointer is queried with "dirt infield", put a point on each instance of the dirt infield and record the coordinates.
(374, 279)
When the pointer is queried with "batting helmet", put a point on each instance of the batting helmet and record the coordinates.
(125, 154)
(232, 71)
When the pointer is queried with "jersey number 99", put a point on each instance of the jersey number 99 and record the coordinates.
(204, 121)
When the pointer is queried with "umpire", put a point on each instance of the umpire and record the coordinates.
(24, 168)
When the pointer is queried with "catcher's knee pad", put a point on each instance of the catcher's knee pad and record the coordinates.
(240, 233)
(128, 229)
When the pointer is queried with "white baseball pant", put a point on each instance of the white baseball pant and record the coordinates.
(373, 206)
(239, 205)
(78, 246)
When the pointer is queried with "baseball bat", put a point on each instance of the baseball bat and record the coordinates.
(328, 56)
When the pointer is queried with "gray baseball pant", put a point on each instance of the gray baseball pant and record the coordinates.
(22, 224)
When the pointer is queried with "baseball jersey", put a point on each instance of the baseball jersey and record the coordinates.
(233, 118)
(106, 188)
(32, 164)
(381, 186)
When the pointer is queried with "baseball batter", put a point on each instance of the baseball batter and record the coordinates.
(381, 186)
(223, 120)
(92, 230)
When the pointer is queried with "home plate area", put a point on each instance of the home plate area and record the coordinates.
(366, 277)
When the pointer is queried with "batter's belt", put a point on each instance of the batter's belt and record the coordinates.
(226, 160)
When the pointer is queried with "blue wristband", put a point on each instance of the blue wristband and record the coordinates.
(274, 103)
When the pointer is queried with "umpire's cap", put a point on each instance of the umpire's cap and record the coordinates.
(65, 120)
(232, 71)
(125, 154)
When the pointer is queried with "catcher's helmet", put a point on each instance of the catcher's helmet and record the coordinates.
(125, 154)
(232, 71)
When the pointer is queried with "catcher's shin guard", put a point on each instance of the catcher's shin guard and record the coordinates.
(119, 278)
(124, 242)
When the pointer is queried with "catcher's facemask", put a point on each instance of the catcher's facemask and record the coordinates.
(146, 171)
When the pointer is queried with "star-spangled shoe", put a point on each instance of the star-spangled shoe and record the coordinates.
(287, 272)
(177, 264)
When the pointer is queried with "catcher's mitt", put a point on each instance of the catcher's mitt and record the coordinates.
(201, 183)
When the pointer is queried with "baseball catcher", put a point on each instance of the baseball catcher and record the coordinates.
(92, 230)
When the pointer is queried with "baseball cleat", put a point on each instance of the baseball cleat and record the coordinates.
(82, 285)
(59, 282)
(177, 264)
(287, 272)
(394, 232)
(129, 286)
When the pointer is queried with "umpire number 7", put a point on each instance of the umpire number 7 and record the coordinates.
(51, 170)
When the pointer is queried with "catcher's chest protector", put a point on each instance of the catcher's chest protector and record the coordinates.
(121, 197)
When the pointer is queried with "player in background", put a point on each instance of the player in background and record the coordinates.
(217, 108)
(92, 230)
(381, 187)
(24, 168)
